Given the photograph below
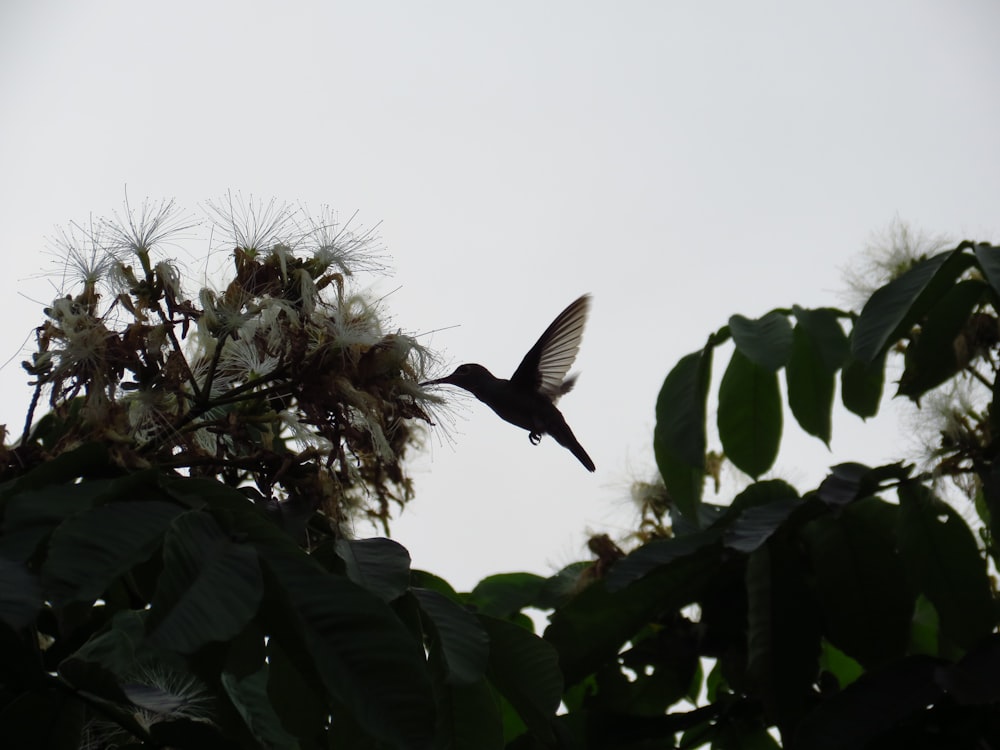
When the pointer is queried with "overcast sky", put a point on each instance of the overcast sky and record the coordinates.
(681, 161)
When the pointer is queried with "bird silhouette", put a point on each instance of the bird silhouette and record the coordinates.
(529, 398)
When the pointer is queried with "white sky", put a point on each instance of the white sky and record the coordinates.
(681, 161)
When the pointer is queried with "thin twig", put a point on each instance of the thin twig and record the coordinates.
(175, 342)
(31, 412)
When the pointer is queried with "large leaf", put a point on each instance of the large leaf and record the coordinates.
(755, 525)
(864, 593)
(249, 696)
(766, 342)
(64, 468)
(822, 326)
(861, 386)
(939, 352)
(364, 655)
(973, 680)
(506, 594)
(893, 309)
(120, 646)
(593, 625)
(525, 669)
(656, 554)
(20, 594)
(664, 663)
(469, 717)
(564, 585)
(299, 699)
(34, 508)
(465, 647)
(380, 565)
(872, 705)
(810, 387)
(944, 562)
(679, 440)
(209, 589)
(749, 415)
(423, 579)
(988, 257)
(91, 549)
(783, 635)
(848, 482)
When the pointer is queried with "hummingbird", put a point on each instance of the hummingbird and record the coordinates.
(529, 398)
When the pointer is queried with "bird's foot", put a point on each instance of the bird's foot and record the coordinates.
(535, 437)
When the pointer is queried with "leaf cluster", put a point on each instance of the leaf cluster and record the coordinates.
(155, 610)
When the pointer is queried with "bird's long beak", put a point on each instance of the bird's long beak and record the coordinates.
(438, 381)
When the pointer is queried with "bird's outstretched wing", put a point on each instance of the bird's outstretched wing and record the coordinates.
(544, 367)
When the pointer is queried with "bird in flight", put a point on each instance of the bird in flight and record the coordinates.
(529, 398)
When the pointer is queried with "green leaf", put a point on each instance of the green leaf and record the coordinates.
(64, 468)
(835, 662)
(525, 669)
(810, 387)
(679, 440)
(34, 509)
(198, 493)
(749, 415)
(120, 646)
(506, 594)
(364, 655)
(664, 663)
(988, 257)
(940, 351)
(848, 482)
(469, 717)
(925, 630)
(767, 341)
(973, 680)
(944, 562)
(424, 580)
(465, 647)
(88, 551)
(990, 503)
(822, 326)
(861, 386)
(877, 702)
(209, 589)
(20, 594)
(863, 590)
(250, 698)
(94, 679)
(297, 698)
(893, 309)
(561, 587)
(380, 565)
(656, 554)
(591, 627)
(755, 525)
(783, 636)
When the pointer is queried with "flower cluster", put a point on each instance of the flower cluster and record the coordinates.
(283, 380)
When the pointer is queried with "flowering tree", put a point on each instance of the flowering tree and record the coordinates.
(284, 380)
(174, 570)
(276, 409)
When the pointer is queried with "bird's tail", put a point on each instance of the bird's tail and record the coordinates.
(565, 437)
(581, 454)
